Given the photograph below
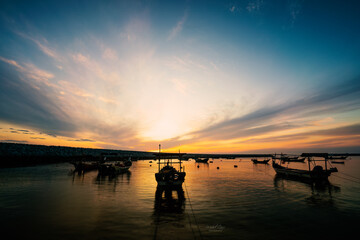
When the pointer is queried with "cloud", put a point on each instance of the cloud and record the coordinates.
(21, 131)
(110, 54)
(23, 103)
(295, 7)
(31, 71)
(178, 28)
(11, 62)
(82, 140)
(13, 141)
(335, 99)
(41, 45)
(347, 132)
(179, 85)
(254, 5)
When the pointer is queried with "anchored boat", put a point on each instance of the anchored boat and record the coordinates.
(337, 159)
(288, 158)
(317, 173)
(169, 176)
(84, 166)
(201, 160)
(115, 168)
(255, 160)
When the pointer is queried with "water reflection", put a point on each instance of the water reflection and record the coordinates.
(169, 216)
(321, 194)
(202, 165)
(169, 199)
(102, 179)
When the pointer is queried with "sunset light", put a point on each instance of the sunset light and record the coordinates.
(220, 77)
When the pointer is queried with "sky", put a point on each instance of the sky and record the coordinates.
(195, 76)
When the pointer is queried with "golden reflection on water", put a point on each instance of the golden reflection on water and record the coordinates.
(213, 203)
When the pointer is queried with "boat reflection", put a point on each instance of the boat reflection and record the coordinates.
(169, 199)
(321, 194)
(102, 179)
(169, 213)
(202, 165)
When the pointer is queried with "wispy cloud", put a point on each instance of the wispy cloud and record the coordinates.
(31, 71)
(178, 28)
(254, 5)
(295, 7)
(42, 45)
(296, 115)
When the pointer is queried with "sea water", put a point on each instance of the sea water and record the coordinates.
(247, 202)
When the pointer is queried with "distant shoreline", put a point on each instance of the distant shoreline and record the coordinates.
(19, 154)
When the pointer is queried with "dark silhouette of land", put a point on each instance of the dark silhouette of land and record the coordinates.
(16, 154)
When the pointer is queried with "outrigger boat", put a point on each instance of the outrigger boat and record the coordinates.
(338, 162)
(287, 158)
(168, 176)
(333, 157)
(318, 173)
(255, 160)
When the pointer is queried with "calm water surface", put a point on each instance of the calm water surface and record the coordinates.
(247, 202)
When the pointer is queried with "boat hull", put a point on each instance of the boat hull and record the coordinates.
(261, 162)
(201, 160)
(170, 178)
(85, 166)
(317, 174)
(110, 169)
(338, 162)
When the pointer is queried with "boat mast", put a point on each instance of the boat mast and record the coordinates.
(325, 163)
(159, 155)
(180, 159)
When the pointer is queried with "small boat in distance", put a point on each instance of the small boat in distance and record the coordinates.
(333, 157)
(288, 158)
(255, 161)
(338, 162)
(337, 159)
(115, 168)
(202, 160)
(85, 166)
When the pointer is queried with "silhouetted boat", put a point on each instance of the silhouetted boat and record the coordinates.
(202, 160)
(337, 159)
(82, 166)
(168, 176)
(265, 161)
(318, 173)
(332, 157)
(338, 162)
(287, 158)
(115, 168)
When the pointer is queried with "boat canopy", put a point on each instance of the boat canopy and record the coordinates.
(323, 155)
(169, 155)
